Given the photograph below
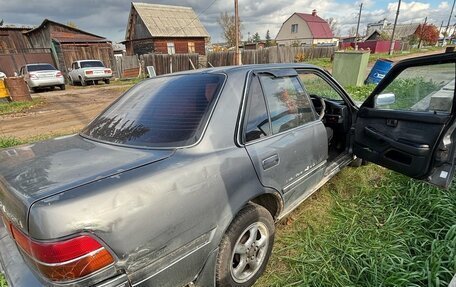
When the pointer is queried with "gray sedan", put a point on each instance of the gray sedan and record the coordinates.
(181, 180)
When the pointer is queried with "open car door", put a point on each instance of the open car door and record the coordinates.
(408, 122)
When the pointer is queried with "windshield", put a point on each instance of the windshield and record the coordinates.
(41, 67)
(160, 112)
(92, 64)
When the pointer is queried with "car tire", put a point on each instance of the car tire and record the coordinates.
(245, 248)
(95, 82)
(35, 90)
(62, 87)
(107, 81)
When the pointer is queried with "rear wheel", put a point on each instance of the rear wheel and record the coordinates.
(107, 81)
(245, 248)
(62, 87)
(95, 82)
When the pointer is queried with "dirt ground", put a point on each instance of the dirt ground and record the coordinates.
(68, 111)
(63, 112)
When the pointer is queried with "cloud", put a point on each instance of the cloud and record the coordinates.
(109, 17)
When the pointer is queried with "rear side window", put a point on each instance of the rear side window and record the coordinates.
(257, 124)
(289, 106)
(43, 67)
(92, 64)
(161, 112)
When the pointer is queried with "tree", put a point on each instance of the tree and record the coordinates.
(268, 39)
(428, 33)
(228, 24)
(333, 26)
(72, 24)
(256, 38)
(1, 22)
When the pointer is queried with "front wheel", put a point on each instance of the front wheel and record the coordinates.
(245, 248)
(107, 81)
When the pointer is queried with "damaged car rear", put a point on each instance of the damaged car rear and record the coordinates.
(181, 180)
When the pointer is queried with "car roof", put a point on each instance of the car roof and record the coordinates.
(246, 68)
(36, 64)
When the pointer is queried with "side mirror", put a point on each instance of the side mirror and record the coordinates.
(385, 99)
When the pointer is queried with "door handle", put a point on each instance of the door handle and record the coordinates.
(271, 161)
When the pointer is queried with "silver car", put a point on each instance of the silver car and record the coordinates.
(181, 180)
(42, 76)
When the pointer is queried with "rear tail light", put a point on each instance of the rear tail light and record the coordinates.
(59, 74)
(108, 71)
(63, 260)
(33, 76)
(89, 72)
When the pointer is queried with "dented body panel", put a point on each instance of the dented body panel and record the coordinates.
(161, 212)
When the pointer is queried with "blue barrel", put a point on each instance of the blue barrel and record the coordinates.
(378, 72)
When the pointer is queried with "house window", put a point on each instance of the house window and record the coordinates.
(191, 47)
(171, 49)
(294, 28)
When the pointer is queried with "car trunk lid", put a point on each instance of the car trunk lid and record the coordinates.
(33, 172)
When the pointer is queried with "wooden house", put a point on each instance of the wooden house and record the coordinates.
(154, 28)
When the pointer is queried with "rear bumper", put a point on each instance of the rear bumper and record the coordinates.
(96, 77)
(46, 82)
(18, 274)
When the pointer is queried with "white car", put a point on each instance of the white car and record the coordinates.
(89, 71)
(42, 75)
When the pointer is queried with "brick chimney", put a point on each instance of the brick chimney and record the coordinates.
(314, 12)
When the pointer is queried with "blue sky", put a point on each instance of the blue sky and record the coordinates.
(109, 17)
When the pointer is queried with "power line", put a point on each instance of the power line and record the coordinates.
(194, 19)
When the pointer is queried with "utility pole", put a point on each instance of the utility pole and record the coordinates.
(448, 25)
(421, 32)
(394, 28)
(357, 27)
(236, 21)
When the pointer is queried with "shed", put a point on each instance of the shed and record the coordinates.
(12, 38)
(69, 44)
(16, 50)
(164, 29)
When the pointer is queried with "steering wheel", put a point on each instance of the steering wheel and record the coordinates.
(322, 107)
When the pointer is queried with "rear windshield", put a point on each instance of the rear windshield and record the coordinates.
(92, 64)
(161, 112)
(41, 67)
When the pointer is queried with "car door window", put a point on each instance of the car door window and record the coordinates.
(428, 88)
(257, 121)
(317, 86)
(288, 104)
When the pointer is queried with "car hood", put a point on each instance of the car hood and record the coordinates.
(33, 172)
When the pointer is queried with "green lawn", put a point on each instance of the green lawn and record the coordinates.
(17, 107)
(2, 281)
(368, 227)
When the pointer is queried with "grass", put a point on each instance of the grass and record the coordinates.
(3, 281)
(18, 107)
(379, 229)
(7, 141)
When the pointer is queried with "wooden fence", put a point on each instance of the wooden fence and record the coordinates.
(271, 55)
(165, 64)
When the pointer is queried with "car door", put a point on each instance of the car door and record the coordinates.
(408, 122)
(282, 135)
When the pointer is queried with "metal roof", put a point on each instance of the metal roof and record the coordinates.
(402, 30)
(318, 27)
(169, 21)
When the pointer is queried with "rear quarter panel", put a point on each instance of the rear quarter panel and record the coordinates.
(168, 216)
